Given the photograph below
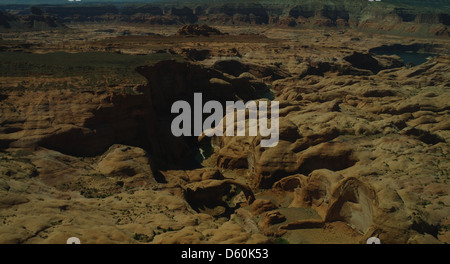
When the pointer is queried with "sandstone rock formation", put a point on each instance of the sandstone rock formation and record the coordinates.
(216, 195)
(196, 30)
(363, 137)
(126, 162)
(36, 20)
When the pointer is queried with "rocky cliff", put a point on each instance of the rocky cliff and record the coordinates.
(34, 21)
(86, 125)
(386, 16)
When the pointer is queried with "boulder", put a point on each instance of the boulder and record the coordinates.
(334, 156)
(196, 30)
(270, 219)
(215, 197)
(260, 206)
(125, 161)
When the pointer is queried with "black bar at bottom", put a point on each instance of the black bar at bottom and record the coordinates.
(167, 254)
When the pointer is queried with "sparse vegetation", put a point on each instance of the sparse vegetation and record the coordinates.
(424, 203)
(142, 238)
(281, 240)
(162, 229)
(58, 222)
(93, 193)
(87, 70)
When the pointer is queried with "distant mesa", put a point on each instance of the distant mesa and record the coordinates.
(4, 20)
(196, 30)
(415, 17)
(35, 20)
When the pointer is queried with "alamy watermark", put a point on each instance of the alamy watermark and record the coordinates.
(257, 114)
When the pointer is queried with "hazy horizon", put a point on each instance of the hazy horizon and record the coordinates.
(12, 2)
(29, 2)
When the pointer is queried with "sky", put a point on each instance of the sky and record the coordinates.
(64, 1)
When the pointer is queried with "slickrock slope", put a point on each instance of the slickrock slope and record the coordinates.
(352, 142)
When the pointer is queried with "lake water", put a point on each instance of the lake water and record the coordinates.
(408, 56)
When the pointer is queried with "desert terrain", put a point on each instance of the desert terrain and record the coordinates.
(86, 148)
